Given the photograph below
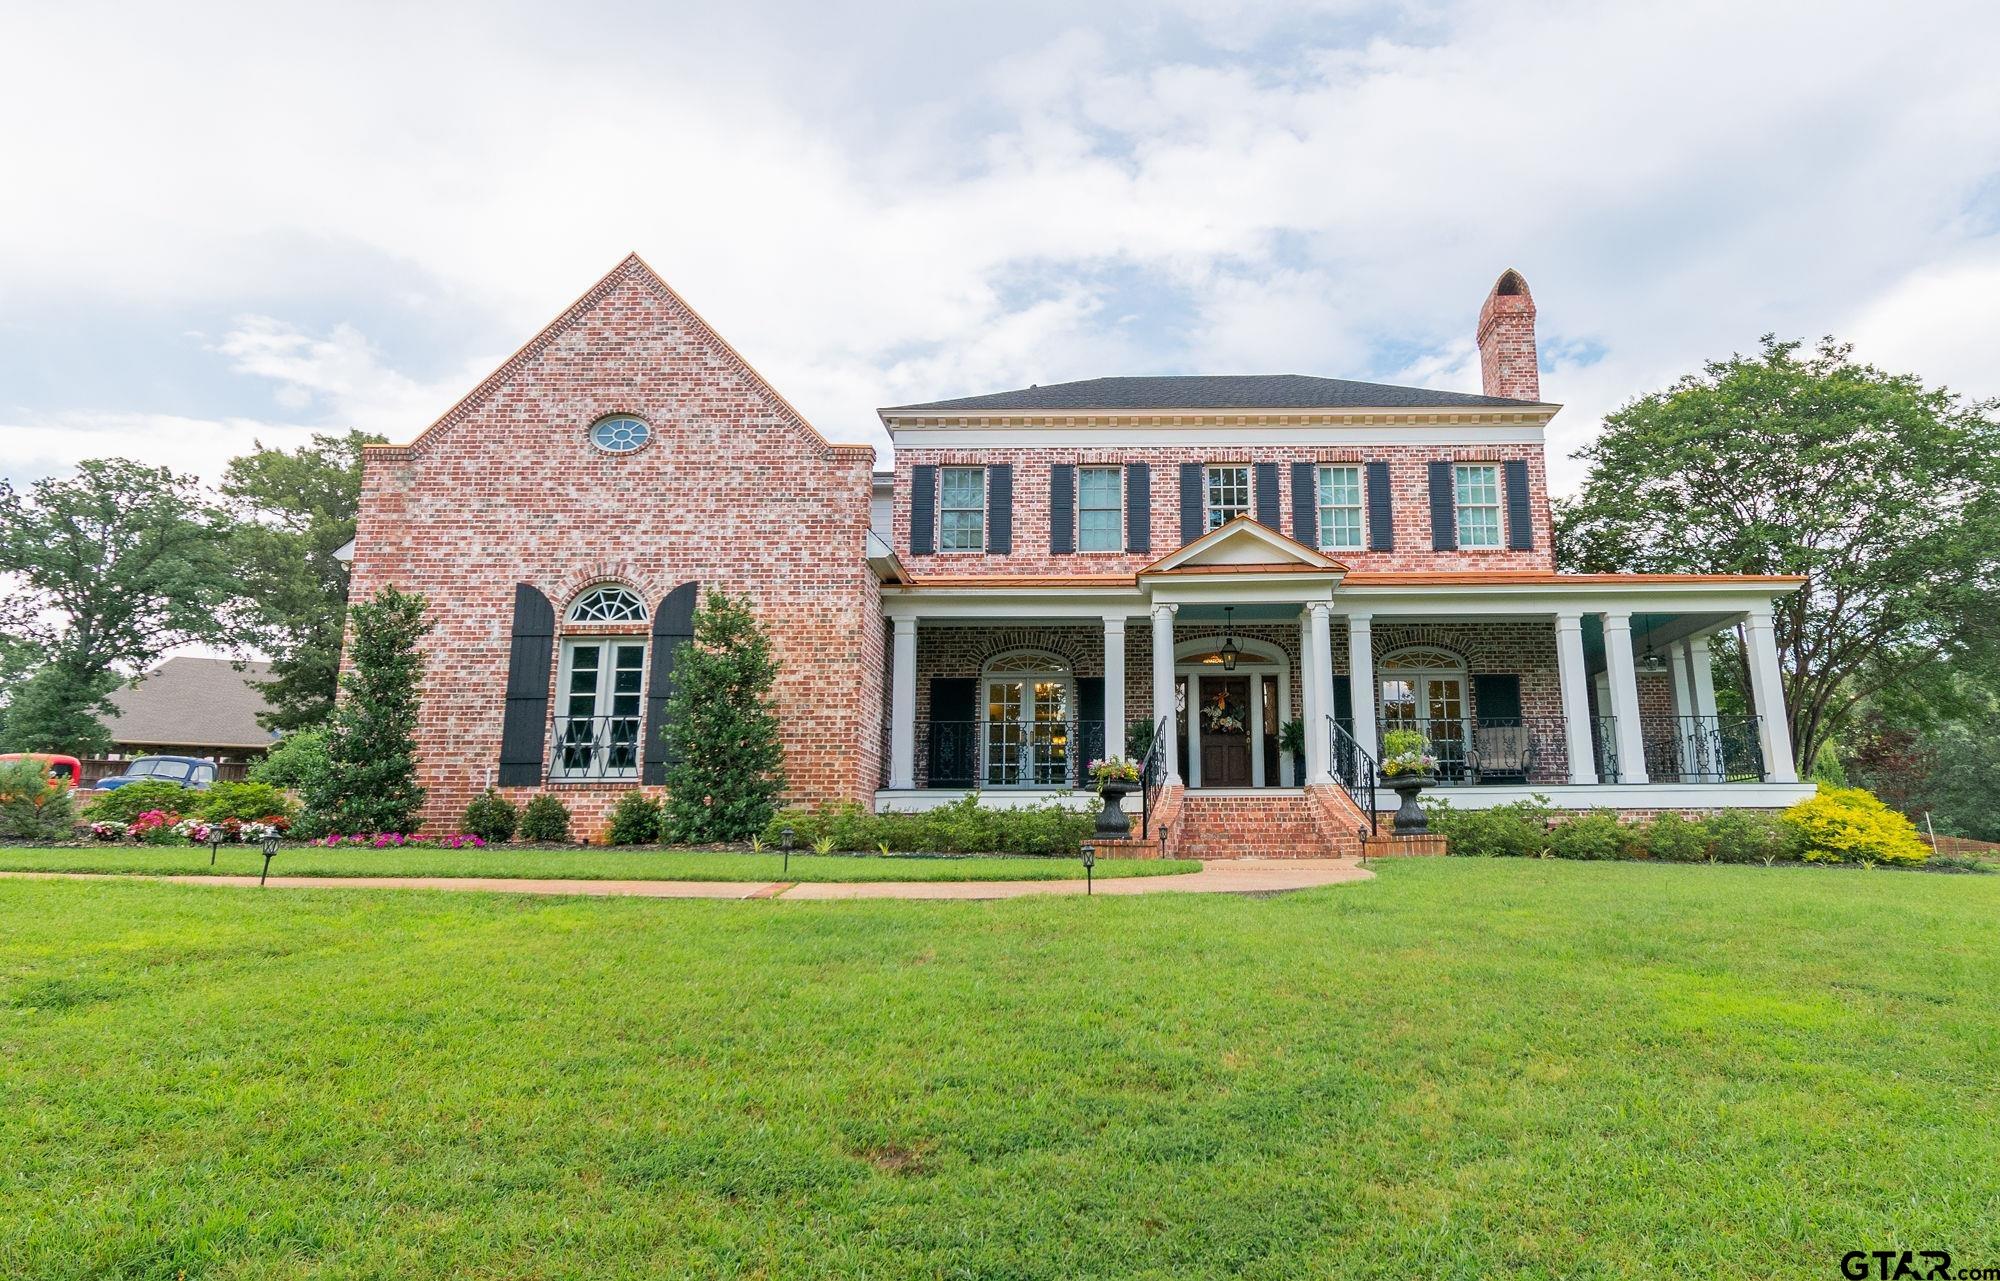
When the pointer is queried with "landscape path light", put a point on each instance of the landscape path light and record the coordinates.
(270, 852)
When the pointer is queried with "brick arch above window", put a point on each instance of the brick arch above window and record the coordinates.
(1037, 640)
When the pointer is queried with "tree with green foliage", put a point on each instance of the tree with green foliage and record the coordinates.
(1883, 492)
(726, 763)
(109, 568)
(370, 780)
(294, 510)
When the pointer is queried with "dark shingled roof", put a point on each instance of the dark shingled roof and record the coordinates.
(192, 702)
(1219, 391)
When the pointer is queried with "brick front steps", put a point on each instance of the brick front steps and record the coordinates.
(1268, 823)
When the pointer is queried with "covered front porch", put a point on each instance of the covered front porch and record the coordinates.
(1593, 691)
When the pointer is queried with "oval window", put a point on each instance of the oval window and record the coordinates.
(620, 435)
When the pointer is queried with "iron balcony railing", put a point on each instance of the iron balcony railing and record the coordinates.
(1704, 749)
(1153, 776)
(1353, 768)
(594, 747)
(1501, 749)
(1007, 753)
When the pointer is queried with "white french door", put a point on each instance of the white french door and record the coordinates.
(1434, 705)
(600, 687)
(1027, 732)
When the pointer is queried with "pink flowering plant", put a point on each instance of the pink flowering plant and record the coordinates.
(1114, 769)
(1405, 751)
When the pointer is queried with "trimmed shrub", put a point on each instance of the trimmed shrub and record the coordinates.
(726, 764)
(1736, 836)
(295, 763)
(962, 827)
(635, 820)
(1590, 836)
(545, 819)
(1672, 839)
(130, 801)
(1848, 825)
(491, 817)
(245, 801)
(34, 807)
(1516, 830)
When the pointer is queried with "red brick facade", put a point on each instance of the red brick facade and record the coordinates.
(734, 491)
(1409, 483)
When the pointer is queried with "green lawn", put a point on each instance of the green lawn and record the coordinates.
(1464, 1068)
(591, 864)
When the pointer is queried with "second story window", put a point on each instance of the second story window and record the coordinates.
(1340, 508)
(1478, 495)
(1100, 505)
(962, 511)
(1228, 494)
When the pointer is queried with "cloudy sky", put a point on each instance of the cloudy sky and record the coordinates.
(225, 224)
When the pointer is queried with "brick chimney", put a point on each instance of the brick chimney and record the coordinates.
(1507, 365)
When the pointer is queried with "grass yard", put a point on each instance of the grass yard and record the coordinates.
(1464, 1068)
(590, 864)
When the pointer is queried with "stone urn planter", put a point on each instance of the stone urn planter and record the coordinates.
(1113, 823)
(1410, 820)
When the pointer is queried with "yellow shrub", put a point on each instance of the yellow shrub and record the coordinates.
(1848, 825)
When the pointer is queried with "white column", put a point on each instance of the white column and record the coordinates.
(1310, 695)
(1677, 656)
(1767, 693)
(1114, 685)
(1575, 682)
(1702, 671)
(1322, 680)
(1194, 728)
(1163, 686)
(903, 705)
(1254, 730)
(1361, 681)
(1624, 695)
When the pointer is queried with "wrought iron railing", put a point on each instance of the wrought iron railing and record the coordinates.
(1494, 749)
(1704, 749)
(1153, 775)
(1604, 742)
(594, 747)
(1353, 768)
(1007, 753)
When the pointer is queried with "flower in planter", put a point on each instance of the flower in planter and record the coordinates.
(1114, 769)
(1404, 751)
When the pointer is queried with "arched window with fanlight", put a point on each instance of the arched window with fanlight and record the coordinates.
(1028, 726)
(1424, 688)
(601, 686)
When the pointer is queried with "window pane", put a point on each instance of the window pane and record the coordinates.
(1100, 508)
(964, 487)
(962, 526)
(1228, 494)
(1478, 493)
(1340, 507)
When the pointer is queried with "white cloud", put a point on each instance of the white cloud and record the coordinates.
(847, 197)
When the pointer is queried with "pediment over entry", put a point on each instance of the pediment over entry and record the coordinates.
(1241, 545)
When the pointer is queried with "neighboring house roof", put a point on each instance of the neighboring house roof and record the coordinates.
(1217, 391)
(193, 702)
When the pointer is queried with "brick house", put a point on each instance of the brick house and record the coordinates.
(1047, 574)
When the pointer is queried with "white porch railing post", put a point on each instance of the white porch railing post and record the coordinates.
(1163, 685)
(1575, 682)
(1703, 674)
(1624, 695)
(1361, 681)
(1322, 679)
(1310, 694)
(903, 705)
(1767, 692)
(1114, 686)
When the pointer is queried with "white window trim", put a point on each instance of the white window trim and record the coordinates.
(1460, 507)
(1118, 532)
(1359, 507)
(1208, 493)
(564, 668)
(985, 517)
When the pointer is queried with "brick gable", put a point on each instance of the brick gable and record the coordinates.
(735, 490)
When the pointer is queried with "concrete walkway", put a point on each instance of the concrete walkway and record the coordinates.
(1236, 876)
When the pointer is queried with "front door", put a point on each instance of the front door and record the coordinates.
(1225, 731)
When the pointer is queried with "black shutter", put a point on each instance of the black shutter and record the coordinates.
(1381, 510)
(923, 510)
(673, 626)
(1496, 697)
(1062, 508)
(1444, 509)
(1343, 701)
(1000, 508)
(954, 731)
(1089, 722)
(1520, 517)
(1305, 503)
(524, 728)
(1138, 507)
(1268, 514)
(1191, 476)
